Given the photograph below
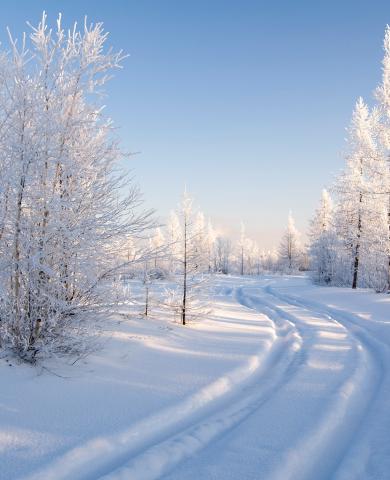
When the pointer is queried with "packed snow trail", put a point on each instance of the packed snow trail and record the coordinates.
(303, 395)
(316, 406)
(210, 411)
(369, 455)
(305, 428)
(165, 455)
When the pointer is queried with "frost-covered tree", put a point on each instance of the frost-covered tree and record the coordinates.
(242, 249)
(201, 244)
(359, 210)
(271, 260)
(210, 246)
(254, 257)
(223, 253)
(351, 187)
(157, 244)
(189, 261)
(290, 248)
(323, 242)
(64, 210)
(382, 187)
(173, 233)
(362, 212)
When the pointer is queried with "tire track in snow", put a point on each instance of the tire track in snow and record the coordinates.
(323, 444)
(327, 444)
(304, 428)
(355, 455)
(151, 437)
(163, 457)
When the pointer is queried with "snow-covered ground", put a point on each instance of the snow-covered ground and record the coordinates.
(284, 380)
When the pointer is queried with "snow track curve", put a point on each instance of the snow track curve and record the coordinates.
(292, 411)
(306, 426)
(173, 434)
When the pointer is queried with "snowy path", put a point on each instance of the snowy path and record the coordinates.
(169, 436)
(305, 427)
(369, 454)
(297, 387)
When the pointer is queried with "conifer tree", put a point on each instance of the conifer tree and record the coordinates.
(290, 249)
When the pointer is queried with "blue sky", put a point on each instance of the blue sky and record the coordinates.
(245, 102)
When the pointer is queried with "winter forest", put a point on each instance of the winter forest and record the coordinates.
(162, 340)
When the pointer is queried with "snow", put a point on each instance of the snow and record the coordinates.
(284, 380)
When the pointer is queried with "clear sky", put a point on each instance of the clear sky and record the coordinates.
(245, 102)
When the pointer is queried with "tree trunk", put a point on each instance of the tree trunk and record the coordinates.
(355, 267)
(16, 282)
(183, 310)
(357, 248)
(388, 257)
(146, 300)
